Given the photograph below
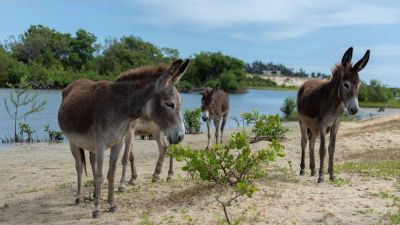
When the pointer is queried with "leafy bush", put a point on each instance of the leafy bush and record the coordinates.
(54, 135)
(25, 129)
(265, 127)
(269, 127)
(192, 120)
(258, 81)
(229, 165)
(250, 117)
(375, 92)
(289, 106)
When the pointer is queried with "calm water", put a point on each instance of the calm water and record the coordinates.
(265, 101)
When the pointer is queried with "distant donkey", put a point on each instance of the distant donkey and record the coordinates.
(97, 115)
(143, 127)
(321, 104)
(215, 107)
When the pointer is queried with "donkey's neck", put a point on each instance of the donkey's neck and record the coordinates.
(335, 102)
(132, 98)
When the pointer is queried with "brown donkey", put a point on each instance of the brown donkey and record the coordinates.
(97, 115)
(215, 106)
(321, 104)
(144, 127)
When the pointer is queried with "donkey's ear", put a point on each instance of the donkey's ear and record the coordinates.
(347, 56)
(181, 70)
(168, 75)
(362, 63)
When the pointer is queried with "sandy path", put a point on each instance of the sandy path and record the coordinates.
(37, 185)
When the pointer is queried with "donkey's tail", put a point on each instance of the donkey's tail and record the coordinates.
(83, 159)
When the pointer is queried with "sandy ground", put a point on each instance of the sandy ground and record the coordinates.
(38, 182)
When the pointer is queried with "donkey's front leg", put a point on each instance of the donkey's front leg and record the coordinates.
(111, 175)
(162, 149)
(128, 144)
(93, 165)
(208, 134)
(331, 149)
(322, 152)
(217, 125)
(98, 179)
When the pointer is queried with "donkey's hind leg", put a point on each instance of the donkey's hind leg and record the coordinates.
(79, 156)
(303, 130)
(128, 145)
(93, 165)
(223, 125)
(312, 139)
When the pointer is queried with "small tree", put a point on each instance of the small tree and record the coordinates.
(289, 106)
(22, 102)
(233, 165)
(192, 120)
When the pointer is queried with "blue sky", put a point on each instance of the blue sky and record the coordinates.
(308, 34)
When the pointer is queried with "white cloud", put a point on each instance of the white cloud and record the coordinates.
(276, 20)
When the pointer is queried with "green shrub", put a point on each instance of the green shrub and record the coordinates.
(269, 127)
(375, 92)
(230, 165)
(289, 106)
(250, 117)
(192, 120)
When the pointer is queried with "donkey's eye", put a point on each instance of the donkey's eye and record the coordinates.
(170, 104)
(346, 85)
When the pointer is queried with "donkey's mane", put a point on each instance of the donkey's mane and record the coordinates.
(336, 70)
(142, 73)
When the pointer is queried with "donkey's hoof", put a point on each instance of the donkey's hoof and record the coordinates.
(121, 189)
(78, 201)
(169, 178)
(96, 214)
(301, 172)
(132, 182)
(112, 209)
(155, 179)
(312, 173)
(332, 177)
(320, 180)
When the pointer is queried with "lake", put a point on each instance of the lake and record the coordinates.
(265, 101)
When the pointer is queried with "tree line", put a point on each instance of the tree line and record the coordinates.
(52, 59)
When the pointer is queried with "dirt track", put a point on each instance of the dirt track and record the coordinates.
(37, 185)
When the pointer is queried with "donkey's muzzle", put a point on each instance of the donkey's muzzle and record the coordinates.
(353, 110)
(204, 118)
(176, 139)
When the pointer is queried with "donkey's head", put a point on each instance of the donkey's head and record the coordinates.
(207, 100)
(165, 103)
(349, 80)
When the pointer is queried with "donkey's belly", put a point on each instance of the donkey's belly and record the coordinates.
(88, 141)
(310, 123)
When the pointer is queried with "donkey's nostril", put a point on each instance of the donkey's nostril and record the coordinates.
(204, 118)
(180, 137)
(353, 110)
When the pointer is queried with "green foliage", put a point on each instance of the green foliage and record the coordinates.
(270, 127)
(184, 86)
(230, 164)
(375, 92)
(250, 117)
(216, 68)
(25, 129)
(22, 102)
(54, 135)
(289, 106)
(257, 81)
(192, 120)
(377, 169)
